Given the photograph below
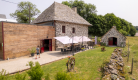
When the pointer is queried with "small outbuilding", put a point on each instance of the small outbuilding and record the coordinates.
(114, 38)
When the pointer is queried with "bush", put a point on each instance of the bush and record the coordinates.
(35, 72)
(47, 77)
(20, 77)
(32, 50)
(98, 39)
(103, 44)
(3, 75)
(62, 76)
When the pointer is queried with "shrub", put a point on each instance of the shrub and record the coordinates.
(3, 75)
(62, 76)
(20, 77)
(32, 50)
(104, 44)
(35, 72)
(47, 77)
(101, 43)
(98, 39)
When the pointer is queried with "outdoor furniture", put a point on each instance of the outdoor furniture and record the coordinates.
(65, 51)
(68, 49)
(62, 50)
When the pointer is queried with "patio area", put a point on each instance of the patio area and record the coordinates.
(19, 64)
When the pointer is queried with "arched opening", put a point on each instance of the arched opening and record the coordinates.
(112, 41)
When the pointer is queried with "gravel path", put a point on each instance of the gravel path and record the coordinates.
(19, 64)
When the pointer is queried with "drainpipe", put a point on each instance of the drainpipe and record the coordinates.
(3, 42)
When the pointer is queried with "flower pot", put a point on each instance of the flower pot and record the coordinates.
(32, 54)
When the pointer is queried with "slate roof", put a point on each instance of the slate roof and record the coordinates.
(114, 27)
(2, 16)
(60, 12)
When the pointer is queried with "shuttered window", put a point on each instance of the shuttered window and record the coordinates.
(73, 30)
(63, 29)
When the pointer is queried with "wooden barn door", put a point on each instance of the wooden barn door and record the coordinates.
(110, 41)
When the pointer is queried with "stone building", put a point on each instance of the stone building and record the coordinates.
(114, 38)
(17, 38)
(65, 20)
(56, 20)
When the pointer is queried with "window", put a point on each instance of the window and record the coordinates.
(63, 29)
(73, 30)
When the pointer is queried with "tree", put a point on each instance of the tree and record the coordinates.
(22, 13)
(112, 20)
(83, 9)
(133, 31)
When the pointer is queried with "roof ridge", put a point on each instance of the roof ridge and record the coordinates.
(60, 12)
(54, 9)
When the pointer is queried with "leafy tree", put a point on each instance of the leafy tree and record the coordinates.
(133, 31)
(123, 32)
(83, 9)
(22, 13)
(101, 24)
(112, 20)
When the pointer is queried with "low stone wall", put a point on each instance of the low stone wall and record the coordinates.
(114, 70)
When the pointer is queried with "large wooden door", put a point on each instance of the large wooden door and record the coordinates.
(50, 44)
(110, 41)
(42, 46)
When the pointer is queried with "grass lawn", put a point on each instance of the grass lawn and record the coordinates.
(133, 42)
(88, 63)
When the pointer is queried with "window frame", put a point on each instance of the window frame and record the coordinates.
(63, 29)
(73, 30)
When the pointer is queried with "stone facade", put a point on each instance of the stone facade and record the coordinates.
(18, 38)
(121, 40)
(80, 30)
(59, 15)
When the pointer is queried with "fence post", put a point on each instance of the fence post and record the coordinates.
(132, 66)
(128, 52)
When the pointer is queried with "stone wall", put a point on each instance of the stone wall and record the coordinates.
(80, 30)
(114, 33)
(114, 70)
(20, 37)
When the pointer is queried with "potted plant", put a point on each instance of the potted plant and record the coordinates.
(32, 51)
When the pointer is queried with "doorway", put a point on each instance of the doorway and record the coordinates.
(46, 45)
(112, 41)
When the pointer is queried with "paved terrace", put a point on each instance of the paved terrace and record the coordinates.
(19, 64)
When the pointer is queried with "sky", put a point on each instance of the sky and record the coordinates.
(126, 9)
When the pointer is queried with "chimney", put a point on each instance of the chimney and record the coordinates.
(114, 27)
(74, 9)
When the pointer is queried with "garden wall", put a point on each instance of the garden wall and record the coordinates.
(114, 70)
(18, 38)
